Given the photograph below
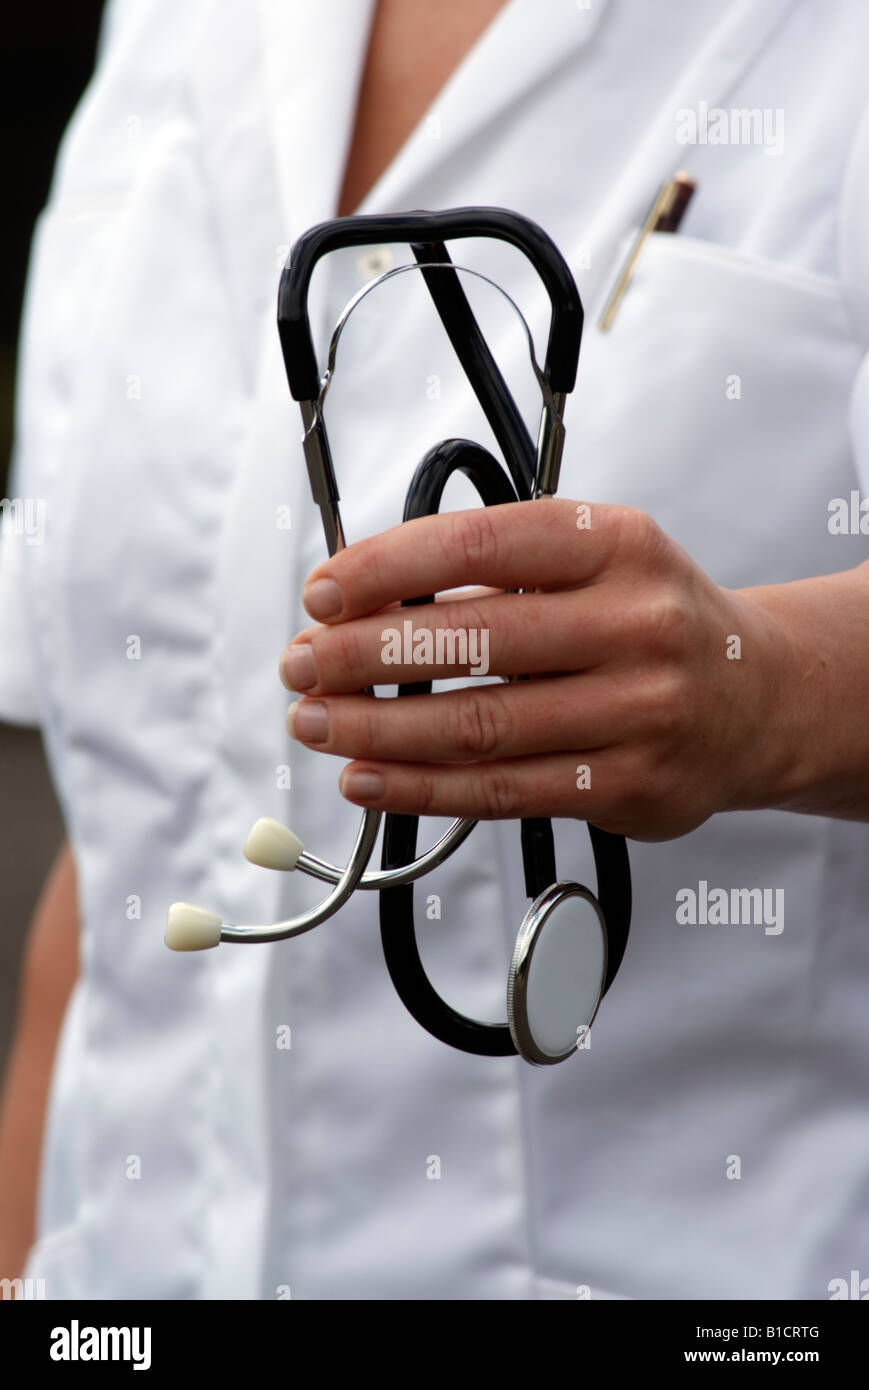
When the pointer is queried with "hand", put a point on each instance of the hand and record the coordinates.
(657, 697)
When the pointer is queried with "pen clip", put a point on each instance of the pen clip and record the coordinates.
(665, 215)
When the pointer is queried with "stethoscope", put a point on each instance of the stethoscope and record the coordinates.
(571, 941)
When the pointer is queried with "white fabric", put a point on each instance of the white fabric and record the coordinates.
(189, 1154)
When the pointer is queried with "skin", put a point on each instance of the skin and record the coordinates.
(49, 971)
(413, 49)
(627, 641)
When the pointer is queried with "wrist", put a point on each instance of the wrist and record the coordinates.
(781, 753)
(812, 738)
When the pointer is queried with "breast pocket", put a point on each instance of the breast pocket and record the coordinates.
(718, 402)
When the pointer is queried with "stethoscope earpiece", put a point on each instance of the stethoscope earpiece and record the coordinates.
(557, 974)
(190, 928)
(273, 846)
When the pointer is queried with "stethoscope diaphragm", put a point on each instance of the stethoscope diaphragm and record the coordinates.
(557, 974)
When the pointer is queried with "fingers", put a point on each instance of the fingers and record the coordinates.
(607, 788)
(517, 545)
(479, 723)
(505, 634)
(562, 784)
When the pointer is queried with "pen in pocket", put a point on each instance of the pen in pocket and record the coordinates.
(665, 215)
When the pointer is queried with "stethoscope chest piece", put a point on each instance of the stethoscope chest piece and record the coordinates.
(557, 974)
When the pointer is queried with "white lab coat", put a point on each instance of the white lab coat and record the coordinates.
(712, 1140)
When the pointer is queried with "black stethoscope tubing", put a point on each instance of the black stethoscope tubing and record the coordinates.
(424, 495)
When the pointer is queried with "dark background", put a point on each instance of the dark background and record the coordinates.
(46, 58)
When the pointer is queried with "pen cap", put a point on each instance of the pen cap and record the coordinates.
(678, 195)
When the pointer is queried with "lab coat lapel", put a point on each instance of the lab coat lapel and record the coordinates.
(745, 28)
(313, 56)
(514, 54)
(520, 49)
(313, 60)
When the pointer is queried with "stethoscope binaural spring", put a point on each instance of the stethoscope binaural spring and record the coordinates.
(571, 942)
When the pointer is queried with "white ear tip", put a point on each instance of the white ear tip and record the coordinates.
(272, 845)
(190, 928)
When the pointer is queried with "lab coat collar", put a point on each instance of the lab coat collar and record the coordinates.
(314, 56)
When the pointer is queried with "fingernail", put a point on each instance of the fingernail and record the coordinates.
(308, 720)
(299, 668)
(361, 786)
(322, 598)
